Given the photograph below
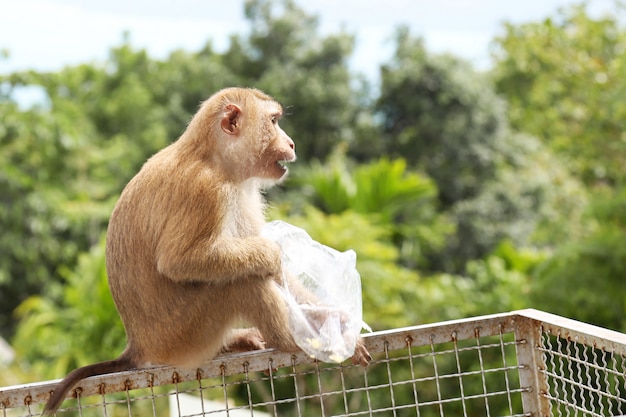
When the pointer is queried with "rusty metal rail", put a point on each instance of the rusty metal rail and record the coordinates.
(524, 363)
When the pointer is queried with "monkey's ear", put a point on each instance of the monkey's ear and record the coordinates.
(230, 120)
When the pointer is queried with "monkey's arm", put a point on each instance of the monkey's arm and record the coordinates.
(217, 260)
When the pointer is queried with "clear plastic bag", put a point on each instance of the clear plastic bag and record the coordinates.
(327, 330)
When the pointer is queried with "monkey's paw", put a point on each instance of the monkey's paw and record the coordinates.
(244, 340)
(361, 355)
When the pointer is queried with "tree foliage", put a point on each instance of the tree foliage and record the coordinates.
(48, 214)
(495, 184)
(442, 116)
(86, 312)
(584, 278)
(564, 79)
(387, 192)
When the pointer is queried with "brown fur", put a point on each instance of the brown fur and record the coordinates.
(184, 255)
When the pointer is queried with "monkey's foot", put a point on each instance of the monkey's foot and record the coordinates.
(361, 355)
(243, 340)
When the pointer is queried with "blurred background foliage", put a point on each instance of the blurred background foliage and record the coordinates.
(462, 192)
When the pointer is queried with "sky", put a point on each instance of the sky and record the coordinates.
(50, 34)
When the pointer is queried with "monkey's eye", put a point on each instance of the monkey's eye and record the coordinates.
(275, 119)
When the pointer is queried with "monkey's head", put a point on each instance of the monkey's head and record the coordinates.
(245, 140)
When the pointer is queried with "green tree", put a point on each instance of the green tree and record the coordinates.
(584, 279)
(443, 117)
(494, 184)
(63, 163)
(564, 80)
(82, 328)
(532, 200)
(46, 216)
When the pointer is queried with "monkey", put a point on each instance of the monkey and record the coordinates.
(184, 256)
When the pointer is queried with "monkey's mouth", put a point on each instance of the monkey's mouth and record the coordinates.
(282, 164)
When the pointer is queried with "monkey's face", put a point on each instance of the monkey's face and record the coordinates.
(254, 145)
(276, 148)
(279, 152)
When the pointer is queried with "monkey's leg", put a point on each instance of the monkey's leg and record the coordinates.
(267, 310)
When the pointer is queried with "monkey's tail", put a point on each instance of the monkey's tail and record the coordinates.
(123, 363)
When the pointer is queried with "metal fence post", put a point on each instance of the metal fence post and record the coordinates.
(532, 374)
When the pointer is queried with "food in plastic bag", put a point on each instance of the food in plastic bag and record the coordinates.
(328, 330)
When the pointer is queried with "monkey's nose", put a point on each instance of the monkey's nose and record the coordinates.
(291, 144)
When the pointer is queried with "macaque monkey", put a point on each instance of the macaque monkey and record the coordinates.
(184, 255)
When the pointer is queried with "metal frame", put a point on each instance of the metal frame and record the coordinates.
(523, 363)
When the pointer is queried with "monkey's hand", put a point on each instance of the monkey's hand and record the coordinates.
(256, 256)
(361, 355)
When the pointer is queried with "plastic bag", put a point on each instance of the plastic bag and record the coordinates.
(328, 330)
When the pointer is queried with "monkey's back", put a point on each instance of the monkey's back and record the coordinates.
(161, 316)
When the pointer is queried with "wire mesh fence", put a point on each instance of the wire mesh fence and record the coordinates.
(524, 363)
(582, 379)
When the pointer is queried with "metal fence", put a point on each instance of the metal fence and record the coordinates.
(524, 363)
